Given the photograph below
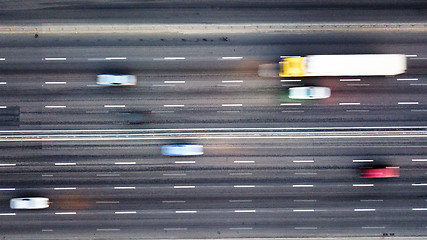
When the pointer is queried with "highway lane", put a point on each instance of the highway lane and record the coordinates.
(292, 188)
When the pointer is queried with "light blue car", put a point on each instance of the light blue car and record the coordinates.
(116, 80)
(182, 150)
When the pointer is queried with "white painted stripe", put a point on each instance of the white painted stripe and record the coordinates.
(407, 79)
(419, 209)
(173, 201)
(241, 228)
(419, 160)
(350, 80)
(229, 111)
(244, 161)
(305, 173)
(419, 184)
(411, 55)
(187, 211)
(174, 58)
(363, 185)
(239, 201)
(184, 186)
(7, 214)
(232, 105)
(2, 59)
(245, 211)
(55, 59)
(355, 110)
(364, 209)
(231, 58)
(305, 200)
(290, 104)
(371, 200)
(244, 186)
(108, 229)
(305, 228)
(302, 185)
(239, 174)
(174, 81)
(108, 175)
(114, 106)
(175, 229)
(115, 58)
(125, 163)
(290, 80)
(303, 161)
(55, 82)
(65, 164)
(407, 103)
(174, 174)
(7, 164)
(358, 84)
(232, 81)
(3, 83)
(373, 227)
(65, 213)
(363, 160)
(349, 103)
(65, 188)
(185, 162)
(60, 106)
(125, 212)
(3, 106)
(47, 230)
(107, 202)
(47, 175)
(173, 105)
(303, 210)
(119, 188)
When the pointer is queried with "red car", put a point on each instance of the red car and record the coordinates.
(379, 172)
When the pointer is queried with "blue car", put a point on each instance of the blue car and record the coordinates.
(182, 150)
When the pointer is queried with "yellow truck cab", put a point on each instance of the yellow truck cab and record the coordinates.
(292, 67)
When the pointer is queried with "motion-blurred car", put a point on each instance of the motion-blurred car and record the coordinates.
(116, 80)
(309, 92)
(29, 203)
(182, 150)
(379, 172)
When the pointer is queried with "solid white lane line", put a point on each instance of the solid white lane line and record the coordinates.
(3, 106)
(363, 185)
(239, 174)
(108, 175)
(47, 175)
(419, 184)
(244, 186)
(362, 160)
(184, 186)
(407, 103)
(107, 202)
(47, 230)
(232, 105)
(7, 164)
(65, 164)
(185, 162)
(114, 106)
(173, 201)
(407, 79)
(174, 58)
(121, 188)
(232, 58)
(2, 59)
(419, 209)
(239, 201)
(349, 103)
(115, 58)
(411, 55)
(3, 83)
(290, 104)
(304, 173)
(303, 161)
(65, 213)
(175, 229)
(228, 111)
(373, 227)
(174, 81)
(418, 84)
(355, 110)
(232, 81)
(303, 210)
(290, 80)
(173, 105)
(241, 228)
(302, 185)
(7, 214)
(245, 211)
(305, 200)
(125, 212)
(371, 200)
(174, 174)
(55, 83)
(185, 211)
(350, 80)
(244, 161)
(108, 229)
(125, 163)
(59, 106)
(305, 228)
(364, 209)
(55, 59)
(65, 188)
(419, 160)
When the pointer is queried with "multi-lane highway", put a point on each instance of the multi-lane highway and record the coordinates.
(272, 167)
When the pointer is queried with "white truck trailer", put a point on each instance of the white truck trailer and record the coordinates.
(343, 65)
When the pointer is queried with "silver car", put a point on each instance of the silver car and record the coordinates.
(309, 92)
(116, 80)
(182, 150)
(29, 203)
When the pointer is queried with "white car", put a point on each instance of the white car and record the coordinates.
(29, 203)
(309, 92)
(116, 80)
(182, 150)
